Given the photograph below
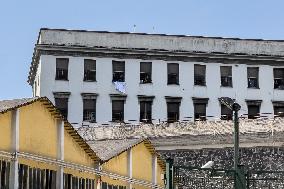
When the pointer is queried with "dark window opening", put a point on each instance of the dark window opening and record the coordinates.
(118, 71)
(253, 111)
(146, 112)
(226, 76)
(62, 105)
(173, 111)
(62, 68)
(145, 72)
(278, 78)
(89, 70)
(89, 110)
(226, 113)
(199, 111)
(199, 75)
(252, 74)
(279, 111)
(173, 73)
(118, 110)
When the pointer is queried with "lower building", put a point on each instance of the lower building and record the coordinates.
(40, 149)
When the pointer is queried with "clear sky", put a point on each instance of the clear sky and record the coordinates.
(21, 20)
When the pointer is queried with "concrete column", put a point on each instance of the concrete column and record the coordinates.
(14, 176)
(60, 153)
(129, 166)
(154, 168)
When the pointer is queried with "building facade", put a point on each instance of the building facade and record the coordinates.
(110, 76)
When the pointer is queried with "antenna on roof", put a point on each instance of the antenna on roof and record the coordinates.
(153, 29)
(134, 28)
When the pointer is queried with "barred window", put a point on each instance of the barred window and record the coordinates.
(226, 76)
(173, 111)
(89, 110)
(118, 71)
(173, 73)
(278, 78)
(226, 113)
(62, 105)
(89, 70)
(62, 68)
(252, 74)
(199, 75)
(145, 72)
(118, 110)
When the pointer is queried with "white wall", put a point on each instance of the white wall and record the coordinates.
(159, 88)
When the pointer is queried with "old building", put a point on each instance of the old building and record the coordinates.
(40, 149)
(110, 76)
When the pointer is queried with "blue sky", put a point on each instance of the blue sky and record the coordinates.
(21, 20)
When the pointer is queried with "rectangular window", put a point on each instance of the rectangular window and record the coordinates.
(252, 74)
(89, 110)
(89, 70)
(145, 72)
(200, 111)
(279, 111)
(146, 111)
(173, 73)
(226, 113)
(62, 68)
(226, 76)
(118, 71)
(253, 111)
(278, 78)
(199, 75)
(173, 111)
(62, 105)
(118, 110)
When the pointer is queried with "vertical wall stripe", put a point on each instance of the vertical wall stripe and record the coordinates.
(14, 176)
(60, 153)
(154, 169)
(129, 165)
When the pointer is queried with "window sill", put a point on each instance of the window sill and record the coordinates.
(200, 85)
(253, 87)
(90, 81)
(173, 84)
(61, 79)
(278, 89)
(226, 86)
(149, 83)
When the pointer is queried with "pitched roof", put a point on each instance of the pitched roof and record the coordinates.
(9, 105)
(107, 149)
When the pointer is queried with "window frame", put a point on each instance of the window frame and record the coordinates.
(88, 72)
(172, 76)
(144, 79)
(199, 77)
(64, 75)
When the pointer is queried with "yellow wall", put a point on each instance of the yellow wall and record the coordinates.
(38, 133)
(5, 131)
(160, 172)
(37, 164)
(116, 165)
(141, 163)
(74, 153)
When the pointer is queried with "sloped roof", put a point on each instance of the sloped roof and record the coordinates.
(9, 105)
(107, 149)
